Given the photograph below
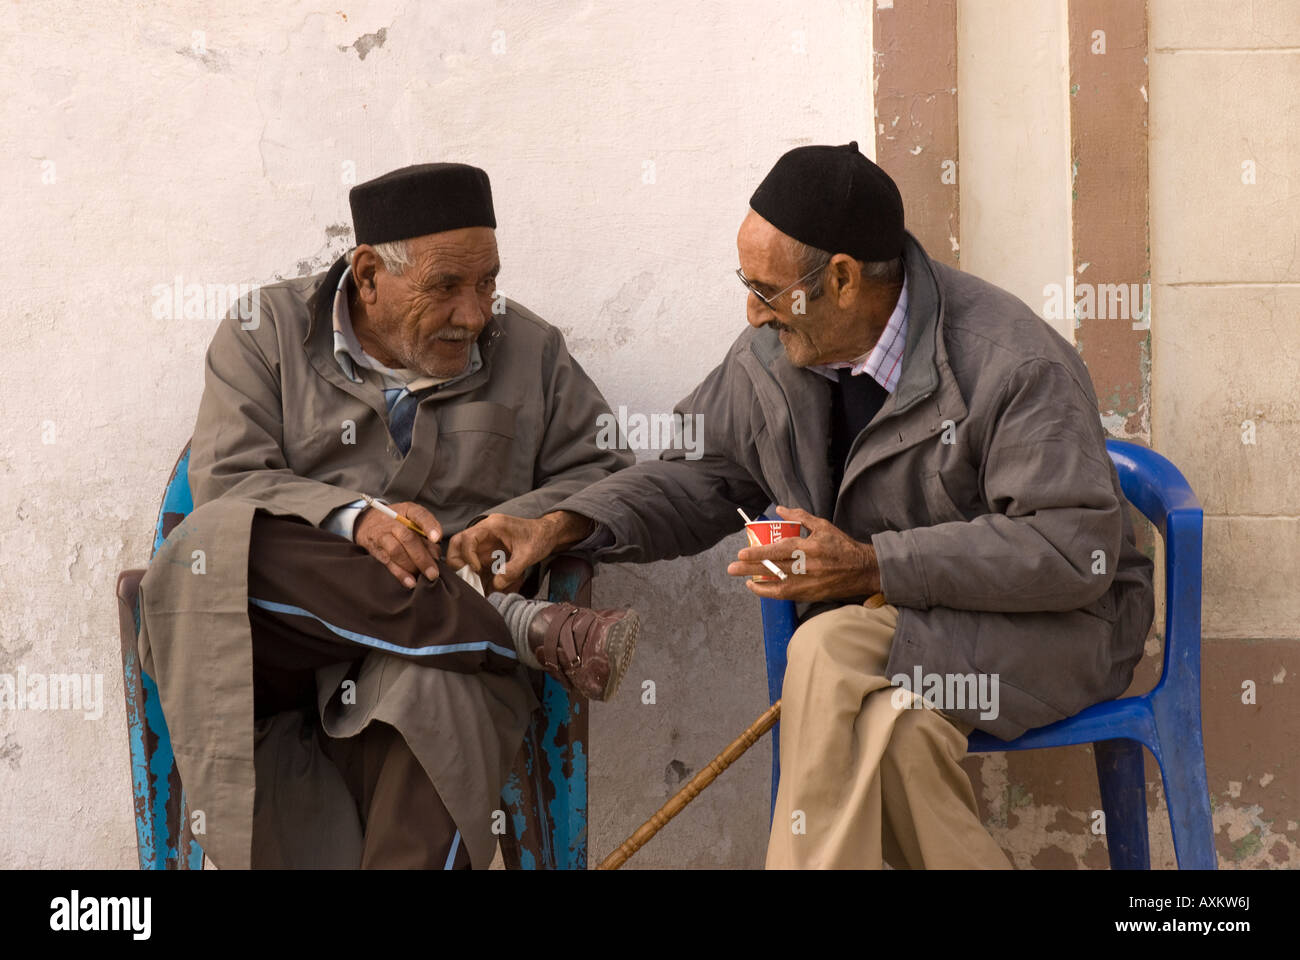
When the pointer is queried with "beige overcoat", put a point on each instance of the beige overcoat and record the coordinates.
(282, 429)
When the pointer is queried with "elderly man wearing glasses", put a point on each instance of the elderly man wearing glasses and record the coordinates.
(941, 444)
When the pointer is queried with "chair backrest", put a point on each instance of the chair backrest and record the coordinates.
(1163, 495)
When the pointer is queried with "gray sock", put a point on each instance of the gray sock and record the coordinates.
(518, 612)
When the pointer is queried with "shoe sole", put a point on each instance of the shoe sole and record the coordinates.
(620, 645)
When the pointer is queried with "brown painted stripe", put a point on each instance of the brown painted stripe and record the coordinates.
(1108, 146)
(1108, 132)
(916, 115)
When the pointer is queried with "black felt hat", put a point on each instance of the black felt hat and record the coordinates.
(420, 199)
(834, 199)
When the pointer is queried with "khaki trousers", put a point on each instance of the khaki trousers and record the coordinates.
(864, 781)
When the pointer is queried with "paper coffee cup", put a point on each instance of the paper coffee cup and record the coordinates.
(763, 532)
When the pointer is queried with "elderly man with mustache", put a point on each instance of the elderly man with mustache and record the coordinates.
(336, 695)
(941, 444)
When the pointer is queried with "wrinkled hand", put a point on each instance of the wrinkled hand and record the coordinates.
(830, 564)
(485, 547)
(507, 546)
(500, 549)
(403, 551)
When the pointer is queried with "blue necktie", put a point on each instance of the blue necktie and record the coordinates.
(401, 418)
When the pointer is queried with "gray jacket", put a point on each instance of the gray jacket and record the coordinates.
(983, 484)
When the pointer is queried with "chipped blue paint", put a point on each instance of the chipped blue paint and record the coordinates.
(512, 795)
(160, 768)
(151, 773)
(545, 838)
(546, 793)
(139, 762)
(568, 808)
(151, 783)
(177, 498)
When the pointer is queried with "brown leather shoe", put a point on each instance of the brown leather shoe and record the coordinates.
(586, 650)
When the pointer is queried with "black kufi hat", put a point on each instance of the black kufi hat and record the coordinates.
(421, 199)
(834, 199)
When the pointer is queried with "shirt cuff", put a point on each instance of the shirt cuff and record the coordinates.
(342, 520)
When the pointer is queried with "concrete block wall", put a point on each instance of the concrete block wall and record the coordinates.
(1225, 215)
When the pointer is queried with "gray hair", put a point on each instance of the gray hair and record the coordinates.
(396, 256)
(807, 259)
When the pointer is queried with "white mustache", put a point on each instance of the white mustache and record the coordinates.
(455, 334)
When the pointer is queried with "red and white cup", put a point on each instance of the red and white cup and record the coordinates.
(762, 532)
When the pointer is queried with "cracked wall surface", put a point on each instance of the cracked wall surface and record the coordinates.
(149, 141)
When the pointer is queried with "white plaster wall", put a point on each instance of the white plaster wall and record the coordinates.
(1013, 118)
(145, 141)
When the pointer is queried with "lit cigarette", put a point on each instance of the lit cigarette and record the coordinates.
(388, 511)
(754, 542)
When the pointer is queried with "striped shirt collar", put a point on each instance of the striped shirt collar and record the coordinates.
(884, 361)
(350, 354)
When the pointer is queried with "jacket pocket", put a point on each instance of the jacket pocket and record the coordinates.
(482, 416)
(938, 503)
(478, 460)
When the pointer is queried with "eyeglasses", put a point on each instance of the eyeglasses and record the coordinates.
(768, 301)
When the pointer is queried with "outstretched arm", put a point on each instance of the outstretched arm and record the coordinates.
(677, 505)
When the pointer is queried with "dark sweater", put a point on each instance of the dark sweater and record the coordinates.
(854, 401)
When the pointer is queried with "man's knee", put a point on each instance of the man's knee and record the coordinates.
(813, 639)
(848, 634)
(924, 735)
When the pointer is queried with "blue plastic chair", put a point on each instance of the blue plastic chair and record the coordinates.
(1167, 720)
(545, 797)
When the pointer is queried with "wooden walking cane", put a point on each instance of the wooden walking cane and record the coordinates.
(705, 777)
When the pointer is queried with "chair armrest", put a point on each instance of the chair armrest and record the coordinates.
(570, 580)
(1158, 489)
(1151, 483)
(128, 621)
